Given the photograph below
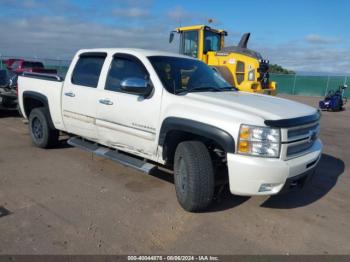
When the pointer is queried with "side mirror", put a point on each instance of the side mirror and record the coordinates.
(136, 86)
(171, 36)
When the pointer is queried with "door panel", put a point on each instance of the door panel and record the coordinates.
(79, 102)
(129, 121)
(79, 111)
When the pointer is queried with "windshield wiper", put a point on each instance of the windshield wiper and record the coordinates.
(204, 88)
(197, 89)
(228, 88)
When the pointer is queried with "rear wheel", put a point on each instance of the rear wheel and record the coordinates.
(338, 106)
(42, 134)
(194, 176)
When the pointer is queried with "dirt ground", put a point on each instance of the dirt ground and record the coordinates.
(65, 201)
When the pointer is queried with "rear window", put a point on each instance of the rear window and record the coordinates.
(88, 69)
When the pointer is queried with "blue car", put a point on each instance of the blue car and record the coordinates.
(334, 100)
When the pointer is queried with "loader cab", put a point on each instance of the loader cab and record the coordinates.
(197, 41)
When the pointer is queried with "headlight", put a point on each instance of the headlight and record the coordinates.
(259, 141)
(251, 75)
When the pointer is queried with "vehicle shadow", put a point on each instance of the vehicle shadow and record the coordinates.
(324, 179)
(9, 113)
(62, 143)
(223, 199)
(163, 175)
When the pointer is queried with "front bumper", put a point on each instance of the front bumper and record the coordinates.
(250, 176)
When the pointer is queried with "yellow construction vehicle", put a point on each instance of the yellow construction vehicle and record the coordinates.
(240, 66)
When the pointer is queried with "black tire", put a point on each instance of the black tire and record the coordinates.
(338, 106)
(193, 175)
(42, 134)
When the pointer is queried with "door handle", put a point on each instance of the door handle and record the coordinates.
(70, 94)
(106, 102)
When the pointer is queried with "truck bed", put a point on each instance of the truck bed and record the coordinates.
(47, 85)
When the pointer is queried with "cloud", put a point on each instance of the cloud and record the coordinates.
(132, 12)
(58, 28)
(133, 8)
(52, 37)
(59, 36)
(179, 14)
(297, 56)
(19, 3)
(317, 39)
(30, 3)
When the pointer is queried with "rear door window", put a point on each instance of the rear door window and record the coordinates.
(88, 69)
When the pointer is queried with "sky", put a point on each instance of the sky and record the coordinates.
(305, 36)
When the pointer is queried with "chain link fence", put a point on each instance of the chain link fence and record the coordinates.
(307, 85)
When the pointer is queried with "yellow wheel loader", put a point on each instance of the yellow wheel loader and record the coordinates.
(240, 66)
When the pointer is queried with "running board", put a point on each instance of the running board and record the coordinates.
(111, 154)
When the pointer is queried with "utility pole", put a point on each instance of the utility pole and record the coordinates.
(295, 80)
(325, 93)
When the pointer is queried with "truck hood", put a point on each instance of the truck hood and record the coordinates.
(264, 106)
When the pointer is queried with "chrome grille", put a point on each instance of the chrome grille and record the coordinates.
(301, 139)
(299, 148)
(299, 133)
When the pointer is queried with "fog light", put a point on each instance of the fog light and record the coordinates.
(267, 187)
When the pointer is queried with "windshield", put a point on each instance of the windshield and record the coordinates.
(180, 75)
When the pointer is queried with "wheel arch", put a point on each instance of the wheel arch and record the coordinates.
(32, 100)
(175, 130)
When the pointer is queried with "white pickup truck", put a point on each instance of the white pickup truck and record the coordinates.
(147, 108)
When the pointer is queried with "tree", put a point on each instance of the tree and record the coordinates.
(277, 69)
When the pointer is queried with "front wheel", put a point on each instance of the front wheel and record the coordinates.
(42, 134)
(194, 176)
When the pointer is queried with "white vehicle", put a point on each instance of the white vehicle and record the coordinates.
(147, 108)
